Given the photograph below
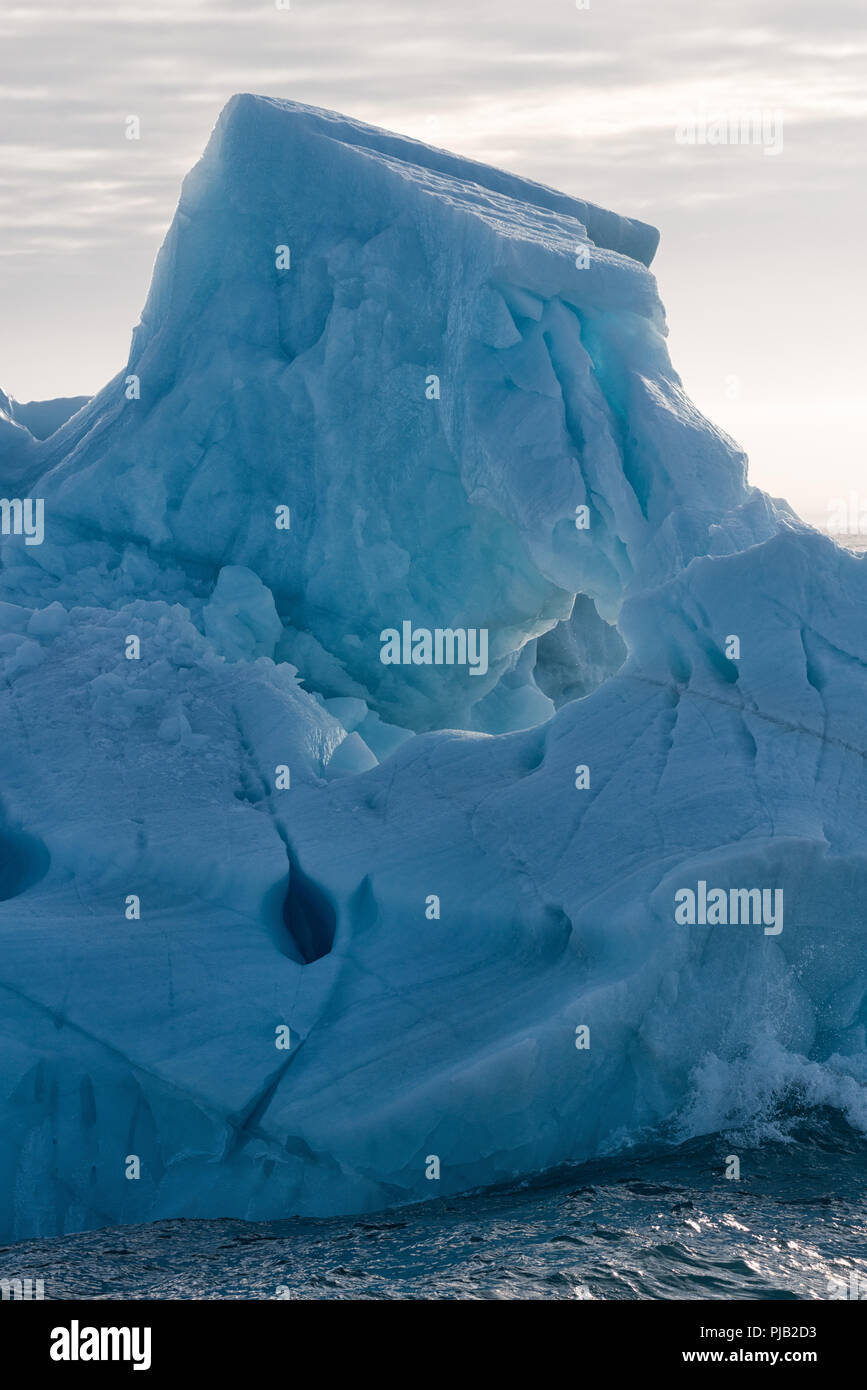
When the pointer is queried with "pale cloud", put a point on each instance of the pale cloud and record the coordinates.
(759, 258)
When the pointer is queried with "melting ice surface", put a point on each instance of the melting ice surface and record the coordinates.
(223, 817)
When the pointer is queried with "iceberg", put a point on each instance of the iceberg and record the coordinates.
(287, 928)
(42, 418)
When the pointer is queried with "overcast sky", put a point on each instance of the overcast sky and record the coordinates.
(761, 263)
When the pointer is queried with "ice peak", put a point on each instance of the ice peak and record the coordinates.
(249, 123)
(453, 379)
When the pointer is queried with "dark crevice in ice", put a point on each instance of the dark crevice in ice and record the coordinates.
(24, 861)
(309, 915)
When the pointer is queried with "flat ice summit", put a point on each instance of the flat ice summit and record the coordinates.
(281, 921)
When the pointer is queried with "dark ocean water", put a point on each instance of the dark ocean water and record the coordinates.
(658, 1224)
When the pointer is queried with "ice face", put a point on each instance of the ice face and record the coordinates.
(43, 418)
(16, 444)
(453, 382)
(283, 921)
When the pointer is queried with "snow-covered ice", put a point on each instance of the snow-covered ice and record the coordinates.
(375, 383)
